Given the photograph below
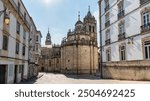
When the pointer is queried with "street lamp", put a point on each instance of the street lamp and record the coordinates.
(6, 17)
(130, 40)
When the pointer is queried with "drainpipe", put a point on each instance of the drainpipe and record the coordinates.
(100, 32)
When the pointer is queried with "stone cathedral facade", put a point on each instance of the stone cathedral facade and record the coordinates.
(50, 56)
(79, 51)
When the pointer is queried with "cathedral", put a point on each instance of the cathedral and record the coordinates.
(50, 56)
(79, 50)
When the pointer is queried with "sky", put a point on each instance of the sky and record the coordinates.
(58, 15)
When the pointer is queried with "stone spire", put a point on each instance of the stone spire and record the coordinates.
(89, 12)
(48, 38)
(79, 16)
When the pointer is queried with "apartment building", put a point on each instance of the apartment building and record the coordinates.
(125, 39)
(34, 50)
(38, 50)
(14, 41)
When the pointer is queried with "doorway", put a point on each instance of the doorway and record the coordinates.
(42, 69)
(2, 74)
(16, 73)
(22, 72)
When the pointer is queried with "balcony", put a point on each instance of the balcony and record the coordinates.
(19, 13)
(106, 8)
(107, 42)
(14, 4)
(121, 36)
(121, 14)
(107, 24)
(145, 28)
(6, 28)
(143, 1)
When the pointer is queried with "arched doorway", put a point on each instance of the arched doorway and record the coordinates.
(42, 69)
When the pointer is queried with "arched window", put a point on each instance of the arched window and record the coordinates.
(93, 29)
(90, 29)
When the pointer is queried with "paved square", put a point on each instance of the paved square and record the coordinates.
(51, 78)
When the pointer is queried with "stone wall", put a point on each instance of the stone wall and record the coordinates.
(127, 70)
(81, 59)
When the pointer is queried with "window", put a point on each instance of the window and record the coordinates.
(145, 21)
(37, 47)
(37, 38)
(108, 54)
(24, 34)
(107, 21)
(5, 42)
(50, 63)
(107, 34)
(107, 41)
(25, 16)
(107, 17)
(93, 29)
(18, 28)
(122, 50)
(147, 50)
(106, 5)
(145, 18)
(23, 50)
(17, 48)
(90, 29)
(121, 9)
(18, 6)
(121, 28)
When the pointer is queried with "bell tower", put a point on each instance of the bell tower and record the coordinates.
(90, 25)
(48, 39)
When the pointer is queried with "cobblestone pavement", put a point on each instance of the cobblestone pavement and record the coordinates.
(51, 78)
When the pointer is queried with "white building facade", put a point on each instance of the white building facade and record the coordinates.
(38, 49)
(125, 34)
(14, 42)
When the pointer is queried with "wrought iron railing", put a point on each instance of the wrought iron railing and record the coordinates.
(143, 1)
(19, 13)
(107, 24)
(106, 8)
(121, 14)
(121, 36)
(145, 27)
(107, 42)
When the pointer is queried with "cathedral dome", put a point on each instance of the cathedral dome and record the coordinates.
(79, 23)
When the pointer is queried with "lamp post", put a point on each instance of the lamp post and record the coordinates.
(6, 17)
(130, 41)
